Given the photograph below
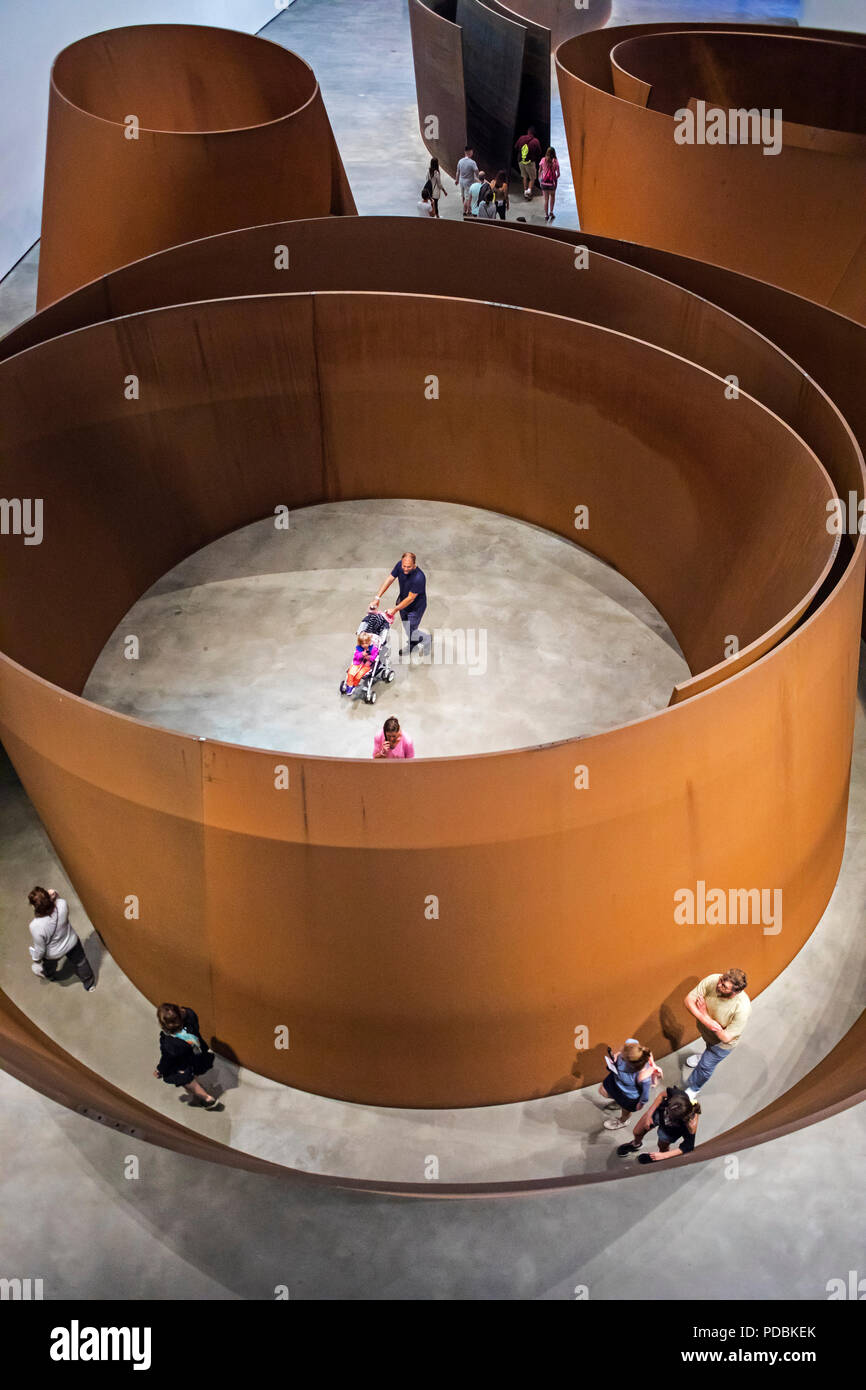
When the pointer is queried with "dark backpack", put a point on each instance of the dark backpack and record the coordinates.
(426, 191)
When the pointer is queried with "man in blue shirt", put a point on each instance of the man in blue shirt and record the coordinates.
(412, 603)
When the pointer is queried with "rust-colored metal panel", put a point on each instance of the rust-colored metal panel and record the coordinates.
(437, 53)
(730, 204)
(28, 1054)
(533, 108)
(374, 1033)
(160, 133)
(493, 73)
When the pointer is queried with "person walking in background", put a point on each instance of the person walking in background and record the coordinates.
(528, 150)
(476, 191)
(412, 605)
(467, 172)
(631, 1075)
(53, 938)
(676, 1117)
(434, 176)
(722, 1008)
(184, 1054)
(486, 206)
(391, 742)
(548, 174)
(500, 194)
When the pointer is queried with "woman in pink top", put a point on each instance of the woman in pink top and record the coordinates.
(548, 177)
(390, 743)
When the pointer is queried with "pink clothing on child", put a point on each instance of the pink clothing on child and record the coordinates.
(404, 747)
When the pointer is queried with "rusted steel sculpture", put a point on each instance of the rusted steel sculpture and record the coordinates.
(744, 146)
(480, 72)
(741, 785)
(161, 133)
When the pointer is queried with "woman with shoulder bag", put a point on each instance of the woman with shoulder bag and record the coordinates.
(184, 1054)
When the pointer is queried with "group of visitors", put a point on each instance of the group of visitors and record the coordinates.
(488, 198)
(721, 1007)
(719, 1004)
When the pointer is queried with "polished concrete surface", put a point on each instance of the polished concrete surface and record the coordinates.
(772, 1225)
(777, 1224)
(530, 638)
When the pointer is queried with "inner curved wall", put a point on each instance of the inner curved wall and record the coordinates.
(794, 218)
(480, 1003)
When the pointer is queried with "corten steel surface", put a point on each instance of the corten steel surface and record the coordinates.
(493, 56)
(533, 108)
(437, 55)
(231, 130)
(668, 793)
(796, 218)
(483, 72)
(838, 1082)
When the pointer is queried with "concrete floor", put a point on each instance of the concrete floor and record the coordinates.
(186, 1229)
(249, 639)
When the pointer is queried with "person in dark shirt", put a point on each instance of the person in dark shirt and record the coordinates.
(412, 601)
(528, 149)
(184, 1054)
(677, 1119)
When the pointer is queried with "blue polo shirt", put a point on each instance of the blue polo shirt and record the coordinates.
(415, 582)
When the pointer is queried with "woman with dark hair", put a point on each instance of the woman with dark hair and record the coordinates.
(184, 1054)
(486, 207)
(391, 742)
(434, 175)
(53, 937)
(500, 193)
(675, 1116)
(630, 1078)
(548, 177)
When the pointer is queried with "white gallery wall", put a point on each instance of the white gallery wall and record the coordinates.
(32, 33)
(834, 14)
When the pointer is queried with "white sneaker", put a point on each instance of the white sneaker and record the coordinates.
(616, 1124)
(693, 1060)
(692, 1095)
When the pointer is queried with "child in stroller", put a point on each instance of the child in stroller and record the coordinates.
(370, 661)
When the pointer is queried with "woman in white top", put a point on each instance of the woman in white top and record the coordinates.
(54, 938)
(434, 174)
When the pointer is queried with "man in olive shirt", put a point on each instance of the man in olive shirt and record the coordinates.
(722, 1008)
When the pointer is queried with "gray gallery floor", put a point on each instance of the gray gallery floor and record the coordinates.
(183, 1229)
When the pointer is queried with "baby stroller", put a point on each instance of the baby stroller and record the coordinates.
(379, 628)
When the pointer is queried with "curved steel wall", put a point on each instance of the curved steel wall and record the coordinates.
(493, 56)
(838, 1082)
(437, 54)
(230, 129)
(795, 218)
(481, 70)
(495, 1015)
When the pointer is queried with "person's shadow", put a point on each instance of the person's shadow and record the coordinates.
(225, 1077)
(664, 1031)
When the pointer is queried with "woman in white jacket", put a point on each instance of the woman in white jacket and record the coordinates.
(54, 938)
